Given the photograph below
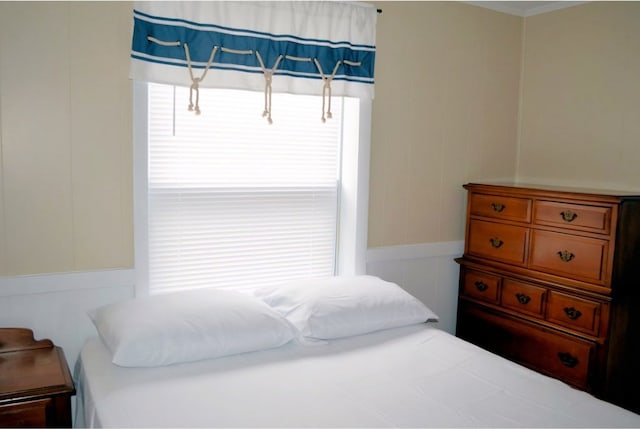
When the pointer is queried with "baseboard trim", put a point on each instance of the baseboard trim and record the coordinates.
(57, 282)
(415, 251)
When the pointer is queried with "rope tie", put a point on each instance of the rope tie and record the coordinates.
(303, 59)
(162, 42)
(268, 78)
(237, 51)
(326, 88)
(195, 81)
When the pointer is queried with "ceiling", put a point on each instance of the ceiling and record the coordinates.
(524, 8)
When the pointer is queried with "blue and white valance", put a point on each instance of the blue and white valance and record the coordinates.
(318, 48)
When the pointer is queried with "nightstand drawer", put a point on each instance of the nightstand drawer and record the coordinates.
(25, 414)
(568, 255)
(573, 312)
(500, 207)
(573, 216)
(523, 297)
(506, 243)
(481, 286)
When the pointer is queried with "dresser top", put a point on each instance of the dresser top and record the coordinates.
(532, 188)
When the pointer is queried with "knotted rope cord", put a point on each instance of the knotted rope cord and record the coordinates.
(268, 77)
(195, 85)
(326, 88)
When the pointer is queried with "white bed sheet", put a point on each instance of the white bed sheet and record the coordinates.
(416, 376)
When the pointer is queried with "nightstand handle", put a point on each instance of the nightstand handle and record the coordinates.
(568, 216)
(497, 207)
(568, 360)
(565, 255)
(572, 313)
(481, 286)
(523, 299)
(496, 242)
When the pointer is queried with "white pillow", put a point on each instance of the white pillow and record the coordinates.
(335, 307)
(188, 326)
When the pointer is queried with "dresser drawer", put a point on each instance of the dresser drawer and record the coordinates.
(25, 414)
(561, 356)
(505, 243)
(500, 207)
(481, 286)
(523, 297)
(576, 313)
(572, 216)
(557, 355)
(568, 255)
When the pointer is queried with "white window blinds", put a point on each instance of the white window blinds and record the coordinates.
(234, 202)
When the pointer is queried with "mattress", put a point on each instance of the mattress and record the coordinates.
(414, 376)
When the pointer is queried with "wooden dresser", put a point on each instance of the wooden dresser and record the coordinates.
(550, 278)
(35, 383)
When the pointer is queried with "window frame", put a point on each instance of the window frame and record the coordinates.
(354, 193)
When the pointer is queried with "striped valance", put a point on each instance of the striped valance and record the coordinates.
(317, 48)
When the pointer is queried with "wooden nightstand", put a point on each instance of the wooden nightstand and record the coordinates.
(35, 383)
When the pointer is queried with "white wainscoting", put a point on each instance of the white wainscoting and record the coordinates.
(55, 306)
(427, 271)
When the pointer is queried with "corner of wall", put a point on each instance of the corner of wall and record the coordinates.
(523, 33)
(2, 181)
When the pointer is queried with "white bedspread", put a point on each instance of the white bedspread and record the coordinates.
(415, 376)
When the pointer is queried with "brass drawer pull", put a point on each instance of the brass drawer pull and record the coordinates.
(496, 242)
(481, 286)
(568, 360)
(497, 207)
(568, 216)
(566, 256)
(523, 299)
(572, 313)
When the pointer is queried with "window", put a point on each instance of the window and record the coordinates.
(224, 199)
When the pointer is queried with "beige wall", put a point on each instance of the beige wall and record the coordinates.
(445, 112)
(65, 135)
(581, 97)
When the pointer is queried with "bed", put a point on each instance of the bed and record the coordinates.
(351, 352)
